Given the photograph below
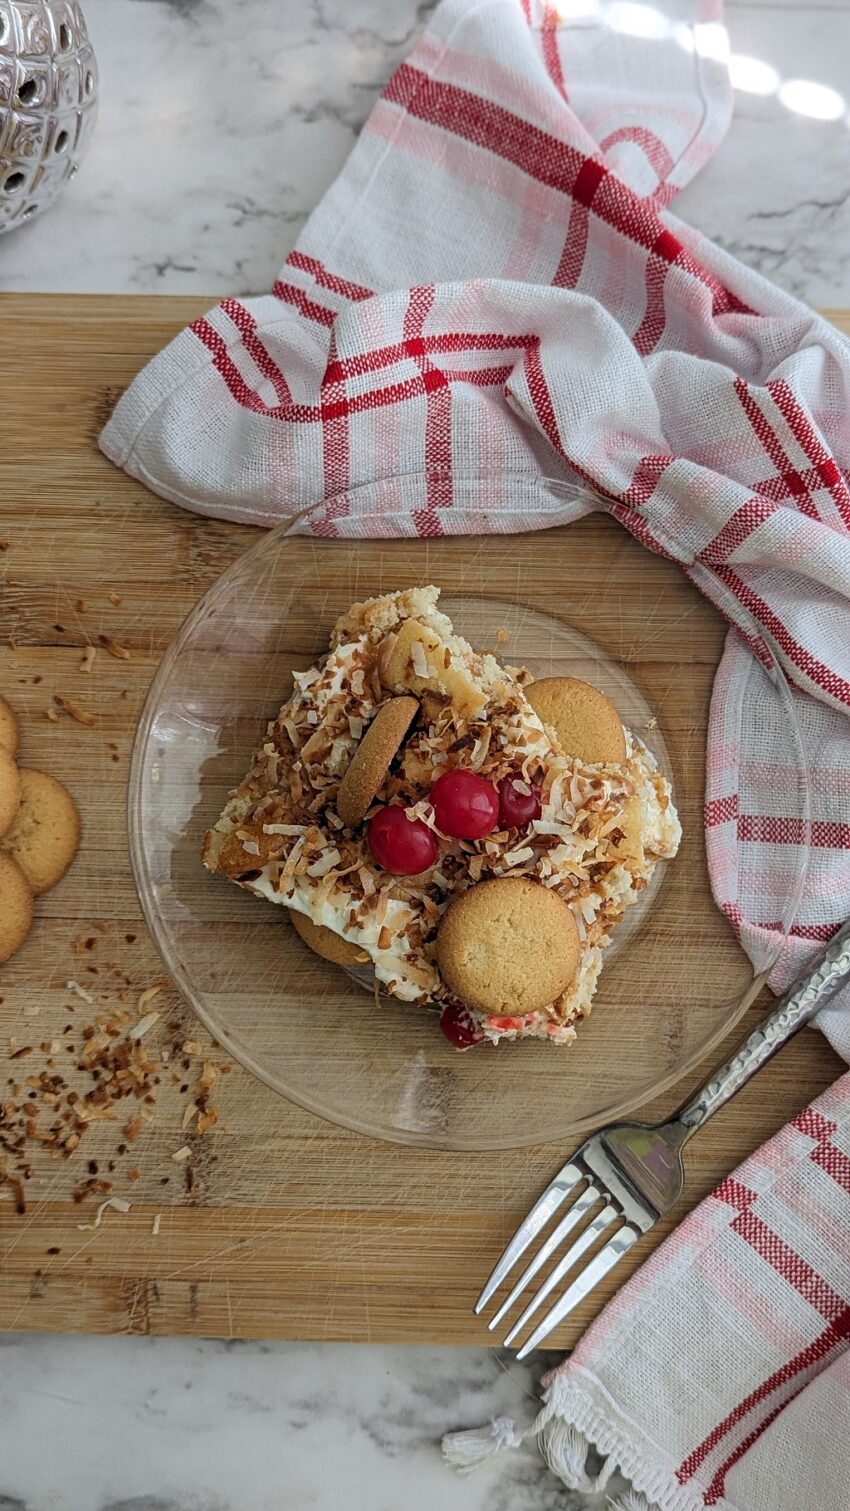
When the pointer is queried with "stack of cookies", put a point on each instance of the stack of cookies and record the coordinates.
(39, 836)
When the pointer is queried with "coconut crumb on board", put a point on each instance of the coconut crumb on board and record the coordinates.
(120, 652)
(88, 658)
(180, 1155)
(74, 710)
(117, 1203)
(80, 991)
(155, 1226)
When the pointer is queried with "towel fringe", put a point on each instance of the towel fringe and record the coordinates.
(468, 1450)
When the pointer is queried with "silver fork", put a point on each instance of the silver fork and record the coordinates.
(627, 1176)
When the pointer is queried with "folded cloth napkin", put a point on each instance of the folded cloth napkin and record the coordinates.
(586, 336)
(720, 1375)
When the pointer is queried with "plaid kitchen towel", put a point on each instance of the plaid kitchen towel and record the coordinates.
(720, 1375)
(495, 281)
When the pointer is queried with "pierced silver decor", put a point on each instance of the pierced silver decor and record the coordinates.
(48, 103)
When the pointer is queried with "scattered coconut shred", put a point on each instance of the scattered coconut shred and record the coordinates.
(101, 1060)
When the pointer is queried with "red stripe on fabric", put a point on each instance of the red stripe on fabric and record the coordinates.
(835, 1334)
(740, 525)
(541, 397)
(780, 486)
(734, 1194)
(717, 1484)
(651, 328)
(550, 161)
(645, 479)
(437, 440)
(247, 328)
(835, 1162)
(335, 443)
(652, 147)
(289, 294)
(767, 437)
(789, 1264)
(735, 916)
(767, 829)
(551, 55)
(721, 810)
(525, 6)
(571, 262)
(805, 435)
(447, 342)
(239, 389)
(807, 663)
(813, 1124)
(327, 280)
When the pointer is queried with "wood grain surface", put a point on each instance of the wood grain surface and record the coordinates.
(287, 1226)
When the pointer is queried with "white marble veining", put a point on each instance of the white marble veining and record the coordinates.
(155, 1424)
(221, 123)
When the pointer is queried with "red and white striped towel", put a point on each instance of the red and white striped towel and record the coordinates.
(496, 280)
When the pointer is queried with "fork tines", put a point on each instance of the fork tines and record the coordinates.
(588, 1203)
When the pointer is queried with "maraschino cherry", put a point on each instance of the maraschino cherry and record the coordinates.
(465, 805)
(517, 809)
(459, 1026)
(404, 846)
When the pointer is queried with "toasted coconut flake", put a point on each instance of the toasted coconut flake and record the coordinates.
(88, 659)
(250, 847)
(143, 1026)
(358, 683)
(312, 716)
(80, 991)
(147, 996)
(117, 1203)
(120, 652)
(366, 881)
(207, 1119)
(180, 1155)
(355, 727)
(191, 1047)
(519, 857)
(419, 659)
(325, 863)
(289, 829)
(155, 1226)
(190, 1113)
(74, 710)
(52, 715)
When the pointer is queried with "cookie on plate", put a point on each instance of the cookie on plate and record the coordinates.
(10, 790)
(9, 731)
(584, 719)
(508, 946)
(325, 942)
(371, 761)
(45, 834)
(15, 907)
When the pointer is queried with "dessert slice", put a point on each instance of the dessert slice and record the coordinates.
(406, 769)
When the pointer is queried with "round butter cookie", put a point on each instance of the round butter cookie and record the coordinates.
(508, 946)
(15, 907)
(10, 789)
(326, 943)
(584, 719)
(372, 759)
(45, 834)
(9, 731)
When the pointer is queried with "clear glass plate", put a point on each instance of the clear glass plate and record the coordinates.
(583, 599)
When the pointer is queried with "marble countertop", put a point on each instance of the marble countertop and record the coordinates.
(221, 123)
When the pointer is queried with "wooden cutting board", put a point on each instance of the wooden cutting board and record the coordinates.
(279, 1225)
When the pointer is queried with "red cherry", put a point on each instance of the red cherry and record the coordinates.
(517, 809)
(405, 846)
(460, 1027)
(466, 806)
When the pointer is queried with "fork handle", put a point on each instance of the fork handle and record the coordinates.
(790, 1014)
